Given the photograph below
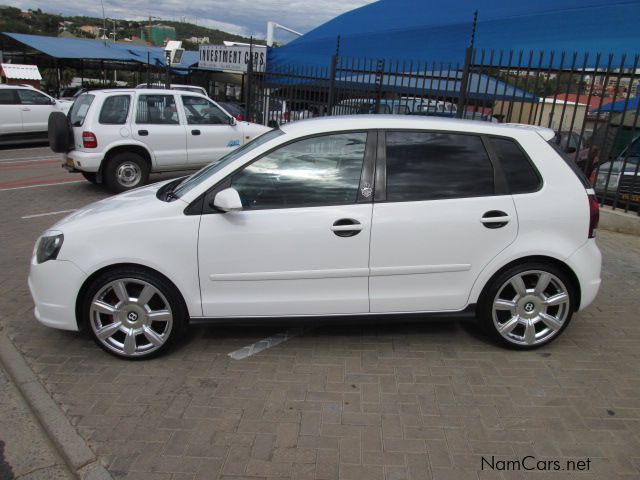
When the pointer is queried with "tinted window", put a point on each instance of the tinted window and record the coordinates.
(521, 177)
(430, 166)
(30, 97)
(157, 109)
(201, 111)
(79, 109)
(8, 97)
(115, 110)
(315, 171)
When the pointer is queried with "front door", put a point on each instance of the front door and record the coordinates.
(35, 108)
(210, 134)
(438, 224)
(300, 246)
(159, 126)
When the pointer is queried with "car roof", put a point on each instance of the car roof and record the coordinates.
(409, 122)
(153, 91)
(7, 85)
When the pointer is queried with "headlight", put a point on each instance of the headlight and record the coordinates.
(49, 247)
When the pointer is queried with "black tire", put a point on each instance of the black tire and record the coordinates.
(121, 163)
(167, 298)
(90, 176)
(528, 307)
(59, 132)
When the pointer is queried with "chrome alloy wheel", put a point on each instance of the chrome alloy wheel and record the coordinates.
(131, 317)
(531, 308)
(128, 174)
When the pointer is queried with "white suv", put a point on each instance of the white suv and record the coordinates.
(365, 216)
(24, 112)
(118, 137)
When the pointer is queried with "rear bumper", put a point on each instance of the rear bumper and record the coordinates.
(54, 286)
(82, 161)
(586, 263)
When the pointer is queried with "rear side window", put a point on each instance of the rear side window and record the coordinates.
(79, 109)
(157, 109)
(8, 97)
(115, 110)
(520, 174)
(433, 165)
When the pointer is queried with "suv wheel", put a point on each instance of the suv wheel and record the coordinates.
(125, 171)
(133, 313)
(528, 305)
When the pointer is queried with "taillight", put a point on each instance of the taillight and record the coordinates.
(89, 140)
(286, 116)
(594, 215)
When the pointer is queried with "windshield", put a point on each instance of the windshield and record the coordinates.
(206, 172)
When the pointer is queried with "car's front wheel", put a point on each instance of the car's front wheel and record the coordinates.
(527, 305)
(134, 313)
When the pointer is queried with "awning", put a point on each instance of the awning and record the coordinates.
(15, 71)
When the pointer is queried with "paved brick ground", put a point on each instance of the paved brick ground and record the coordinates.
(398, 401)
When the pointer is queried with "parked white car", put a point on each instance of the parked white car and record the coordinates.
(340, 216)
(24, 112)
(118, 137)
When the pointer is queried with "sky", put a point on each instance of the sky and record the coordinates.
(245, 17)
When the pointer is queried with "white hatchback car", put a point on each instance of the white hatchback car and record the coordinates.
(336, 217)
(117, 137)
(24, 113)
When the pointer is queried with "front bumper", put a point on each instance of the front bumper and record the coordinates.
(586, 263)
(54, 287)
(75, 161)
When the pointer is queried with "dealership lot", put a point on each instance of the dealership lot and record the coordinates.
(399, 401)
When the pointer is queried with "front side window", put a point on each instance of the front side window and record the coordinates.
(115, 110)
(201, 111)
(316, 171)
(157, 109)
(30, 97)
(433, 165)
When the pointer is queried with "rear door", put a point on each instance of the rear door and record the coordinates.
(160, 126)
(10, 112)
(210, 133)
(437, 220)
(35, 107)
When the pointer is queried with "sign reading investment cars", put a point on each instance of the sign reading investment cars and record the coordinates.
(235, 57)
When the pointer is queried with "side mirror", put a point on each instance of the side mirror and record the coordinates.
(228, 200)
(232, 121)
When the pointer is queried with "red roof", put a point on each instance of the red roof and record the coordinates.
(571, 98)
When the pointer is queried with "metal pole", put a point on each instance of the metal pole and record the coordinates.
(466, 69)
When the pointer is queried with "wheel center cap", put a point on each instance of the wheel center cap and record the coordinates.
(529, 307)
(132, 316)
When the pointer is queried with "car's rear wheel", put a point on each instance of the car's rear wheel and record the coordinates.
(528, 305)
(125, 171)
(134, 313)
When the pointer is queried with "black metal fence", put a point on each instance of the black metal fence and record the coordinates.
(591, 102)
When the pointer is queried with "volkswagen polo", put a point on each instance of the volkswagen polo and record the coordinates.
(368, 217)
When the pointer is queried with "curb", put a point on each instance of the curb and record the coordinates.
(619, 221)
(73, 449)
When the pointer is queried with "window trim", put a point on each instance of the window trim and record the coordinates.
(366, 174)
(129, 110)
(383, 175)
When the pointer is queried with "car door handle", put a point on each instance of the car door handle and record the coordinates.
(26, 109)
(143, 133)
(195, 132)
(346, 227)
(495, 219)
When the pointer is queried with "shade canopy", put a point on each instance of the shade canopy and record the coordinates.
(84, 49)
(433, 31)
